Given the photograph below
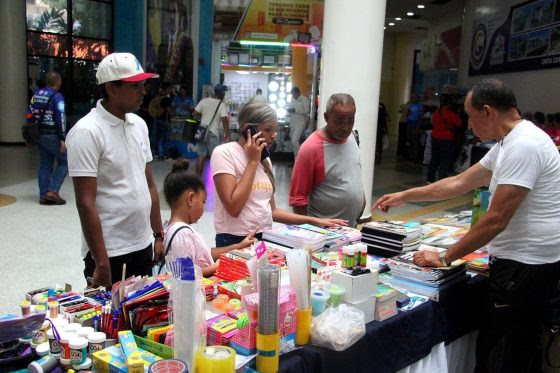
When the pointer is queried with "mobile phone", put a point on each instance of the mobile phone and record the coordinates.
(253, 130)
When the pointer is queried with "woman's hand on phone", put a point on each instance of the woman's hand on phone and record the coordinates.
(254, 146)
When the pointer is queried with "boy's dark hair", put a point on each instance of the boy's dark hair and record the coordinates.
(178, 181)
(493, 93)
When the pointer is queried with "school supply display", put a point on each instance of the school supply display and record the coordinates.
(387, 239)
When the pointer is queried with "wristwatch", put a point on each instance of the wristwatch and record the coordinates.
(158, 234)
(442, 260)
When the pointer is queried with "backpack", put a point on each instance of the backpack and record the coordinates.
(30, 129)
(154, 108)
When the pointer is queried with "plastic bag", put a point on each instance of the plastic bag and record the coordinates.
(338, 328)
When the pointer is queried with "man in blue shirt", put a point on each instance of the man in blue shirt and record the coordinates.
(52, 134)
(183, 104)
(415, 112)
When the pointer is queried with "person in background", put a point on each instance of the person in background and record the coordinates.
(520, 228)
(183, 104)
(52, 137)
(245, 184)
(163, 112)
(212, 111)
(413, 120)
(402, 149)
(538, 119)
(144, 111)
(258, 97)
(186, 195)
(109, 161)
(327, 177)
(445, 123)
(299, 118)
(382, 127)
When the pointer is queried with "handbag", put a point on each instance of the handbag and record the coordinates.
(162, 263)
(201, 132)
(30, 130)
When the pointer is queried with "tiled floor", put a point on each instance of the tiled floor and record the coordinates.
(41, 244)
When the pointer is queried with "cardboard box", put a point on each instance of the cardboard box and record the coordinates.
(358, 287)
(112, 360)
(367, 306)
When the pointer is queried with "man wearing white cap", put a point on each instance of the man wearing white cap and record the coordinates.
(109, 161)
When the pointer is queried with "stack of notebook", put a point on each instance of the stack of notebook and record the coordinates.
(430, 282)
(388, 239)
(294, 236)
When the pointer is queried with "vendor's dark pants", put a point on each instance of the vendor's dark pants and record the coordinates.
(509, 340)
(225, 239)
(138, 263)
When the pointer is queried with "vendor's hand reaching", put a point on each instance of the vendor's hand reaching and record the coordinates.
(254, 146)
(102, 277)
(387, 201)
(249, 239)
(330, 223)
(159, 250)
(426, 258)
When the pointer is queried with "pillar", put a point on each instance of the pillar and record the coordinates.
(205, 45)
(13, 85)
(130, 28)
(351, 63)
(402, 76)
(299, 70)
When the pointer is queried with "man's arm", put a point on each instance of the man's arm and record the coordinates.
(155, 215)
(225, 123)
(505, 202)
(85, 189)
(474, 177)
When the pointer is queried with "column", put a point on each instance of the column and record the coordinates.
(205, 45)
(130, 28)
(351, 63)
(13, 85)
(402, 76)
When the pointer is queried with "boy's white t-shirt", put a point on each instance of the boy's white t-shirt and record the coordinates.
(187, 243)
(528, 158)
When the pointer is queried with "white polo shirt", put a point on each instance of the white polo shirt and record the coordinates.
(115, 152)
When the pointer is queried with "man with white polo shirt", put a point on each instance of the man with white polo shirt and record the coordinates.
(109, 161)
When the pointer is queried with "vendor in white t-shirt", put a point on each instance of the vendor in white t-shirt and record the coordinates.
(521, 228)
(109, 161)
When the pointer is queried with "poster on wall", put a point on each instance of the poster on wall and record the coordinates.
(169, 49)
(290, 21)
(525, 36)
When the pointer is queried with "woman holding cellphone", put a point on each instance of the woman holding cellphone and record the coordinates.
(245, 184)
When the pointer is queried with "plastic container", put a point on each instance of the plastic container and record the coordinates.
(225, 297)
(303, 326)
(42, 349)
(43, 365)
(336, 292)
(85, 366)
(40, 309)
(219, 304)
(78, 350)
(236, 303)
(54, 345)
(65, 346)
(73, 328)
(65, 363)
(96, 342)
(349, 260)
(319, 300)
(85, 331)
(25, 308)
(53, 309)
(40, 336)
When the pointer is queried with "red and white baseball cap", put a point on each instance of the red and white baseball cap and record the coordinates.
(121, 66)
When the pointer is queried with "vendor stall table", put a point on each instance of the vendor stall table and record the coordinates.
(404, 339)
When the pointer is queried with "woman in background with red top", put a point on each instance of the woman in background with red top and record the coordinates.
(446, 123)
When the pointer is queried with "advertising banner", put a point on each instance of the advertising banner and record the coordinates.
(523, 37)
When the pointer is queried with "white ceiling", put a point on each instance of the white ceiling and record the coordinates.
(433, 9)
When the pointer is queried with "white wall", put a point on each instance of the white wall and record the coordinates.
(536, 90)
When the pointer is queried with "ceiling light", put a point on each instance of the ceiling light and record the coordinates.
(420, 6)
(391, 24)
(410, 14)
(398, 18)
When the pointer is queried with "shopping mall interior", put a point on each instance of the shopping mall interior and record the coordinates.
(386, 54)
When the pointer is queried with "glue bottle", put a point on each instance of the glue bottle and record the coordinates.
(344, 265)
(350, 260)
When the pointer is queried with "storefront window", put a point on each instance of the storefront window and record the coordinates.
(72, 51)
